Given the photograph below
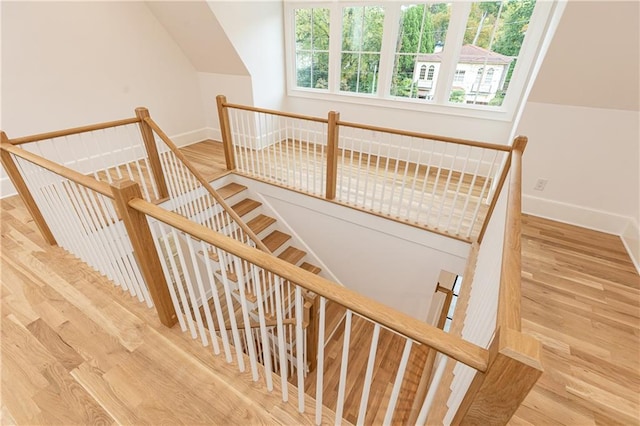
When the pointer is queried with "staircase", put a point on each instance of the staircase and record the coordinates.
(224, 312)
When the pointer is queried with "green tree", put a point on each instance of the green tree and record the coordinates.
(361, 44)
(516, 16)
(312, 45)
(482, 19)
(457, 96)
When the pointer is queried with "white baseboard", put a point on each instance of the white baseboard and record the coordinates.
(188, 138)
(596, 220)
(631, 240)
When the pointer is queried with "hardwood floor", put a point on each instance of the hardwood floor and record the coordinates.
(581, 299)
(76, 350)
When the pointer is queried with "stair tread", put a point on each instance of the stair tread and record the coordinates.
(245, 206)
(230, 189)
(274, 240)
(311, 268)
(260, 223)
(292, 255)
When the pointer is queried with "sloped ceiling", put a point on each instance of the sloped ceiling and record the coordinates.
(196, 30)
(594, 58)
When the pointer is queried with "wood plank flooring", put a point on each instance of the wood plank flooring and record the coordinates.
(76, 350)
(581, 299)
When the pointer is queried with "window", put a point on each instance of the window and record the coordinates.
(312, 47)
(361, 44)
(479, 76)
(459, 76)
(421, 36)
(494, 34)
(488, 78)
(431, 56)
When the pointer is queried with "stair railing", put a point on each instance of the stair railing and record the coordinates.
(107, 151)
(488, 314)
(259, 287)
(444, 184)
(191, 194)
(77, 212)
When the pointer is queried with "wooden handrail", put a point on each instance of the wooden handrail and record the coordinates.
(275, 112)
(86, 181)
(486, 145)
(23, 190)
(73, 131)
(494, 201)
(511, 270)
(454, 347)
(259, 244)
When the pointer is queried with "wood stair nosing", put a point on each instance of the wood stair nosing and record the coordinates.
(311, 268)
(275, 240)
(260, 223)
(230, 189)
(245, 206)
(292, 255)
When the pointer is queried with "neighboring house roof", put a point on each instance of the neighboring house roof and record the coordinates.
(470, 54)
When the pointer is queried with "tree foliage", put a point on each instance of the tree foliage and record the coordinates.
(312, 47)
(422, 26)
(361, 44)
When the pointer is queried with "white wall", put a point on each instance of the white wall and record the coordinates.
(582, 120)
(66, 64)
(591, 157)
(256, 30)
(392, 263)
(212, 85)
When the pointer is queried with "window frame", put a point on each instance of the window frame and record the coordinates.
(528, 58)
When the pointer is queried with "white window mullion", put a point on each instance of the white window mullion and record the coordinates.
(290, 47)
(453, 45)
(335, 47)
(388, 48)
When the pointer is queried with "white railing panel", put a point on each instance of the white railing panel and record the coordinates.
(86, 224)
(480, 321)
(106, 154)
(284, 150)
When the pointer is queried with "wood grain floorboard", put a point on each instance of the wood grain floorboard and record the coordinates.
(581, 299)
(76, 350)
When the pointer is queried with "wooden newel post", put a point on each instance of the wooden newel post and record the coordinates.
(225, 132)
(333, 137)
(152, 152)
(514, 368)
(312, 306)
(144, 249)
(21, 187)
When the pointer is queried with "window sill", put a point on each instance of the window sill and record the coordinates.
(419, 105)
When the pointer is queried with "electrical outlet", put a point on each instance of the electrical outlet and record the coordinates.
(540, 184)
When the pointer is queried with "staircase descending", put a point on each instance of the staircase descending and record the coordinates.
(226, 308)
